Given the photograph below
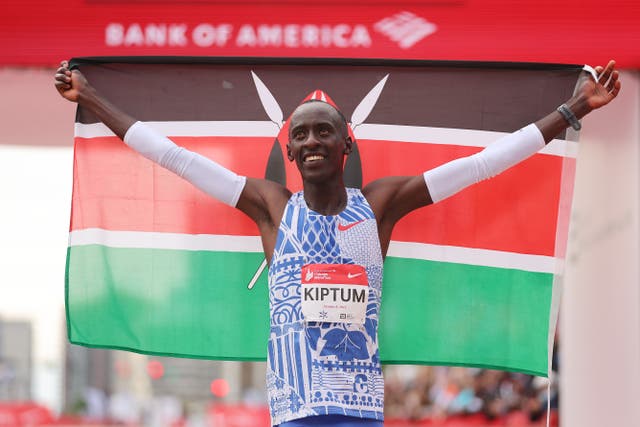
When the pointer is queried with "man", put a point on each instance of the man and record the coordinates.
(325, 245)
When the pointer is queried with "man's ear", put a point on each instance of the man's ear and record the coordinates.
(289, 155)
(348, 145)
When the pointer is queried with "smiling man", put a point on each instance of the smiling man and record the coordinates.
(326, 244)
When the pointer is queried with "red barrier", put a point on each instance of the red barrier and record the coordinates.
(28, 414)
(18, 414)
(221, 415)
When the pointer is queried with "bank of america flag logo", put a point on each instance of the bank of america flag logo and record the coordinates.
(405, 28)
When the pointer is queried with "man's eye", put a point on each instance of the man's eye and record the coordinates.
(298, 135)
(324, 132)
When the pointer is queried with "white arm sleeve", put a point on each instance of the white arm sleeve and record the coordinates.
(448, 179)
(207, 175)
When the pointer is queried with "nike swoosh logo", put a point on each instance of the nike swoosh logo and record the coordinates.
(345, 227)
(351, 276)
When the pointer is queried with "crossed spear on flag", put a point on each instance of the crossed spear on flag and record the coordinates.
(275, 170)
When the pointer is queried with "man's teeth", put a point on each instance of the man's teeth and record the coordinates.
(313, 158)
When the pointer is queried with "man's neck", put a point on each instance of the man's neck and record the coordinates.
(326, 199)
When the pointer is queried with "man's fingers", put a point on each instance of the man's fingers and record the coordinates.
(62, 83)
(612, 81)
(64, 67)
(62, 76)
(616, 89)
(62, 86)
(604, 77)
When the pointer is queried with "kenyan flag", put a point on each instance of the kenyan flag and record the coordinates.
(156, 266)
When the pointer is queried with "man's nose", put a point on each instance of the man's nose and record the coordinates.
(312, 140)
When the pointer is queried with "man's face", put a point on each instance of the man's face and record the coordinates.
(318, 141)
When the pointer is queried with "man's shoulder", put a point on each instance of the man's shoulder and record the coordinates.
(385, 186)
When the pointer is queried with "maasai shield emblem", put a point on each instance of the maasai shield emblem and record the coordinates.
(282, 172)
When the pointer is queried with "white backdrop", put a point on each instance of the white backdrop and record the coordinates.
(600, 311)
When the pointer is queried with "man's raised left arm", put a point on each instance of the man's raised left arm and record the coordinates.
(392, 198)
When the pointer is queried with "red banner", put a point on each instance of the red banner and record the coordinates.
(16, 414)
(36, 32)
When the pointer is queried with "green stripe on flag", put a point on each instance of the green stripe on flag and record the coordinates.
(168, 302)
(457, 314)
(175, 302)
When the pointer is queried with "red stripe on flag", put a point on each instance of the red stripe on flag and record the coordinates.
(117, 189)
(514, 211)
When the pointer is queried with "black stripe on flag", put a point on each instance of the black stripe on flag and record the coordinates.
(466, 95)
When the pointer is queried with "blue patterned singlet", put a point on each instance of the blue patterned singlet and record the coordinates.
(318, 368)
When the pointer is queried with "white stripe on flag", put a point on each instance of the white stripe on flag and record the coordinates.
(152, 240)
(372, 132)
(474, 256)
(226, 243)
(186, 128)
(451, 136)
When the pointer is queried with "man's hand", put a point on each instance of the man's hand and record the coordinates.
(600, 93)
(589, 95)
(72, 85)
(69, 83)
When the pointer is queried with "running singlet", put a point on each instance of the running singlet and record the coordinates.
(333, 421)
(322, 368)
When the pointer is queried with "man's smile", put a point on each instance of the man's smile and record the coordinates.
(309, 158)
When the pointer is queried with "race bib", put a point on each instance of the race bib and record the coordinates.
(334, 293)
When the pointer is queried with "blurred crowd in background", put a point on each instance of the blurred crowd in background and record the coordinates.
(437, 393)
(415, 396)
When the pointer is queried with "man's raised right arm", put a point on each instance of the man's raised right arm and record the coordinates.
(261, 200)
(204, 173)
